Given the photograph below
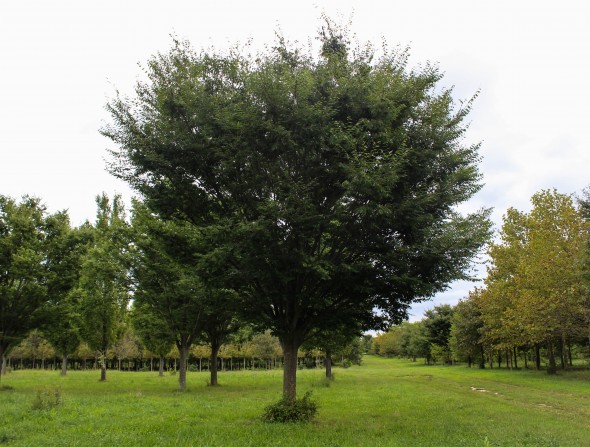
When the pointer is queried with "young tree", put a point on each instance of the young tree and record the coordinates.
(22, 270)
(66, 248)
(438, 326)
(466, 327)
(324, 184)
(153, 332)
(333, 341)
(103, 288)
(167, 287)
(219, 325)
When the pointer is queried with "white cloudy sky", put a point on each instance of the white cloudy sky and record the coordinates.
(62, 60)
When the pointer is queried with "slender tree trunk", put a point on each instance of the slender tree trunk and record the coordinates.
(103, 368)
(482, 361)
(564, 359)
(328, 365)
(552, 368)
(2, 363)
(213, 370)
(161, 366)
(290, 370)
(64, 364)
(183, 349)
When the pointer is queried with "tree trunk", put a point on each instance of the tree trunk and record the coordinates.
(213, 362)
(564, 359)
(64, 365)
(2, 363)
(328, 365)
(161, 366)
(183, 349)
(482, 360)
(552, 368)
(290, 370)
(103, 368)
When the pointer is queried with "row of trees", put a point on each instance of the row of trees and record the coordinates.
(111, 290)
(535, 297)
(312, 196)
(244, 351)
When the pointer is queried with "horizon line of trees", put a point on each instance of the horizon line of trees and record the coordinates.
(534, 306)
(76, 294)
(249, 351)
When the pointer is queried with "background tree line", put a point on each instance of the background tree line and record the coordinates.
(82, 300)
(533, 308)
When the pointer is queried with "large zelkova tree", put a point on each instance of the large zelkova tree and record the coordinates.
(323, 183)
(22, 269)
(166, 284)
(104, 285)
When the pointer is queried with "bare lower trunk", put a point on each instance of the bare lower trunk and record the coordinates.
(213, 362)
(328, 365)
(183, 349)
(482, 361)
(161, 366)
(552, 368)
(64, 365)
(290, 370)
(564, 359)
(2, 363)
(103, 368)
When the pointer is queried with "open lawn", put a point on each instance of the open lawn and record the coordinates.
(385, 402)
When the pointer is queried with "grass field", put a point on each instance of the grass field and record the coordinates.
(385, 402)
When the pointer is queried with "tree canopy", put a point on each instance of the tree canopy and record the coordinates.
(325, 185)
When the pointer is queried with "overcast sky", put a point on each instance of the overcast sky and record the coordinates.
(62, 60)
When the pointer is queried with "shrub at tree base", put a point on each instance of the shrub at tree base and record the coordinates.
(285, 410)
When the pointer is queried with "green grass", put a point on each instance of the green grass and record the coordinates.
(382, 403)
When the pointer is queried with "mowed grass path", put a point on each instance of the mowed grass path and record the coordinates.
(385, 402)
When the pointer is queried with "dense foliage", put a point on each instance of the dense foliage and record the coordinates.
(535, 301)
(325, 187)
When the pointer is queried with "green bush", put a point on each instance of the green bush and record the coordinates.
(300, 410)
(47, 399)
